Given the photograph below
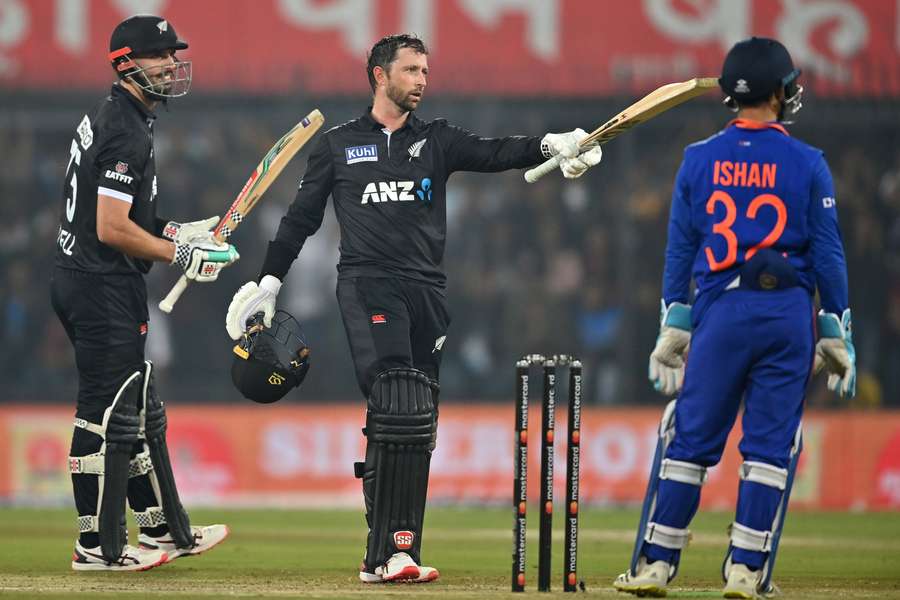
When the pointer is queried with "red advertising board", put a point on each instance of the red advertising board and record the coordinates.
(303, 456)
(478, 47)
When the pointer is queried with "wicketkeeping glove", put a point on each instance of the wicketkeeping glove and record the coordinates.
(201, 261)
(835, 352)
(194, 231)
(250, 299)
(666, 369)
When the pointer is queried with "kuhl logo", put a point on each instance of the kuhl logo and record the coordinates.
(356, 154)
(403, 540)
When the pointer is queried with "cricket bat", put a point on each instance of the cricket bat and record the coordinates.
(266, 171)
(658, 101)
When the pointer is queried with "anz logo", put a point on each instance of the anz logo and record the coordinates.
(397, 191)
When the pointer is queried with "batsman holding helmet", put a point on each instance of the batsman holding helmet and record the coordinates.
(109, 237)
(387, 173)
(754, 223)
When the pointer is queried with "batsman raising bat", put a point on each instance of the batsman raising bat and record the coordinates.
(109, 237)
(387, 173)
(754, 223)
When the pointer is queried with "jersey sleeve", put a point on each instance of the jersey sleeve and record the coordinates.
(466, 151)
(826, 246)
(304, 217)
(120, 161)
(682, 243)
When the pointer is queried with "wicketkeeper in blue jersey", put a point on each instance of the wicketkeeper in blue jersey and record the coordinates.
(754, 223)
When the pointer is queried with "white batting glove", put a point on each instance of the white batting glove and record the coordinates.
(565, 144)
(666, 369)
(250, 299)
(190, 232)
(201, 261)
(575, 167)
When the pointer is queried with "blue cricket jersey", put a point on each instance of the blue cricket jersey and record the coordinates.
(752, 186)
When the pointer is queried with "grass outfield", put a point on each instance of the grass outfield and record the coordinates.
(314, 554)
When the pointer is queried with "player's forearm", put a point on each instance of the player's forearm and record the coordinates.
(129, 238)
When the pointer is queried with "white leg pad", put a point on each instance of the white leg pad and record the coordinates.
(682, 471)
(750, 539)
(667, 537)
(764, 473)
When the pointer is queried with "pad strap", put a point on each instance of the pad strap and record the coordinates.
(750, 539)
(152, 517)
(88, 524)
(667, 537)
(92, 427)
(763, 473)
(92, 464)
(684, 472)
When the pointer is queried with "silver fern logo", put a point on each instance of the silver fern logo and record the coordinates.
(416, 149)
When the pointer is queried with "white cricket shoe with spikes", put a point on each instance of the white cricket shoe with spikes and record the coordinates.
(132, 559)
(743, 582)
(204, 538)
(399, 568)
(650, 579)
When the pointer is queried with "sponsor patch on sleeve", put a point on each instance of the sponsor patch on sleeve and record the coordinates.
(355, 154)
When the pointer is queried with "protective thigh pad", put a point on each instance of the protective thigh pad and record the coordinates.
(401, 424)
(162, 478)
(119, 432)
(747, 538)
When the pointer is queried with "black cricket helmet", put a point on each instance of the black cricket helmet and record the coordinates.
(270, 362)
(756, 68)
(148, 35)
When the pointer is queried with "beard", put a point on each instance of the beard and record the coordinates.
(400, 98)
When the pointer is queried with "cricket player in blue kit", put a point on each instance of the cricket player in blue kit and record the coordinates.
(754, 223)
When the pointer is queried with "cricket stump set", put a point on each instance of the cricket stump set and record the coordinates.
(548, 366)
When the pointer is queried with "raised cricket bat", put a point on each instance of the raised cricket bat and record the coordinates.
(266, 171)
(659, 100)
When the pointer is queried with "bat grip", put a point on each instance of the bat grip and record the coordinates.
(532, 175)
(168, 303)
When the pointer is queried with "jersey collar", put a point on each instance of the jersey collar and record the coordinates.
(749, 124)
(369, 122)
(118, 90)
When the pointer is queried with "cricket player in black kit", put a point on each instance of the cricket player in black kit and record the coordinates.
(387, 173)
(109, 236)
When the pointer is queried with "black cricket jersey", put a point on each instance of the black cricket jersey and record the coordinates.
(389, 194)
(111, 154)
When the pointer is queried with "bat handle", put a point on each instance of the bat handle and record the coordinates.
(168, 303)
(532, 175)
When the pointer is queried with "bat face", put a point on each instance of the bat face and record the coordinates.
(654, 103)
(267, 171)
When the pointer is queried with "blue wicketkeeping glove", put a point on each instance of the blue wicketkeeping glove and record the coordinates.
(666, 370)
(836, 353)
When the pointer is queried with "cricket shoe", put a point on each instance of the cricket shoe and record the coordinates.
(743, 582)
(648, 580)
(399, 568)
(204, 538)
(132, 559)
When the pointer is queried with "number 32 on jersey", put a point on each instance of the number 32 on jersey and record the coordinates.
(724, 227)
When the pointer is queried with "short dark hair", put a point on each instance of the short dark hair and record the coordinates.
(384, 52)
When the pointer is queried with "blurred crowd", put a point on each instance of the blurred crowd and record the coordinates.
(558, 267)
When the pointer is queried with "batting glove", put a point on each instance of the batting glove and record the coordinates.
(835, 352)
(201, 261)
(565, 144)
(190, 232)
(250, 299)
(666, 369)
(575, 167)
